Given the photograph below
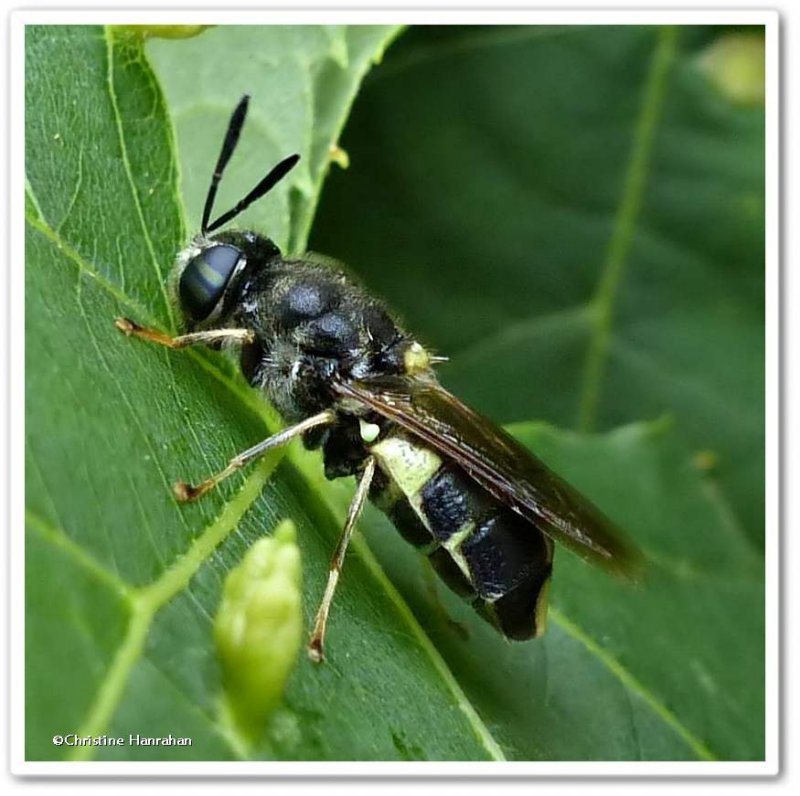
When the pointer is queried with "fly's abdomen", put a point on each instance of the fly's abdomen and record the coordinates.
(483, 550)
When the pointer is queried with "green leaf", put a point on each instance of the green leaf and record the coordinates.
(624, 671)
(300, 107)
(122, 583)
(585, 210)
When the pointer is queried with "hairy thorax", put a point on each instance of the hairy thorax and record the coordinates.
(312, 326)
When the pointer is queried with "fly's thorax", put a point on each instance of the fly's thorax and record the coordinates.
(311, 325)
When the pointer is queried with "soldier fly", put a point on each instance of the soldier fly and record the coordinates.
(350, 381)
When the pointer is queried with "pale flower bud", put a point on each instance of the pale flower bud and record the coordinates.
(259, 628)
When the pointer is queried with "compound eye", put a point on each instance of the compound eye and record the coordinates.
(205, 278)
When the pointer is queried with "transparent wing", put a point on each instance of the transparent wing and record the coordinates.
(499, 464)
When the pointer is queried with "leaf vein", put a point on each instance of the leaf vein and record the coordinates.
(147, 601)
(632, 684)
(129, 173)
(67, 381)
(625, 223)
(59, 538)
(77, 259)
(74, 197)
(114, 379)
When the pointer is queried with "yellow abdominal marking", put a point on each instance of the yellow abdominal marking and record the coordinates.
(410, 466)
(453, 546)
(416, 359)
(541, 608)
(456, 540)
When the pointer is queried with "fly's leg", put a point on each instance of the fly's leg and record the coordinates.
(316, 642)
(132, 329)
(186, 492)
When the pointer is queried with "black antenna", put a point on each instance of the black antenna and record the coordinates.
(228, 145)
(266, 184)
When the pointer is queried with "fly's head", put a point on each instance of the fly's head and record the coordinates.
(211, 271)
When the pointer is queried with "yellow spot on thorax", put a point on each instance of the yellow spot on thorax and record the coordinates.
(416, 359)
(369, 431)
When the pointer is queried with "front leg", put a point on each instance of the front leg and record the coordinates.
(132, 329)
(185, 492)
